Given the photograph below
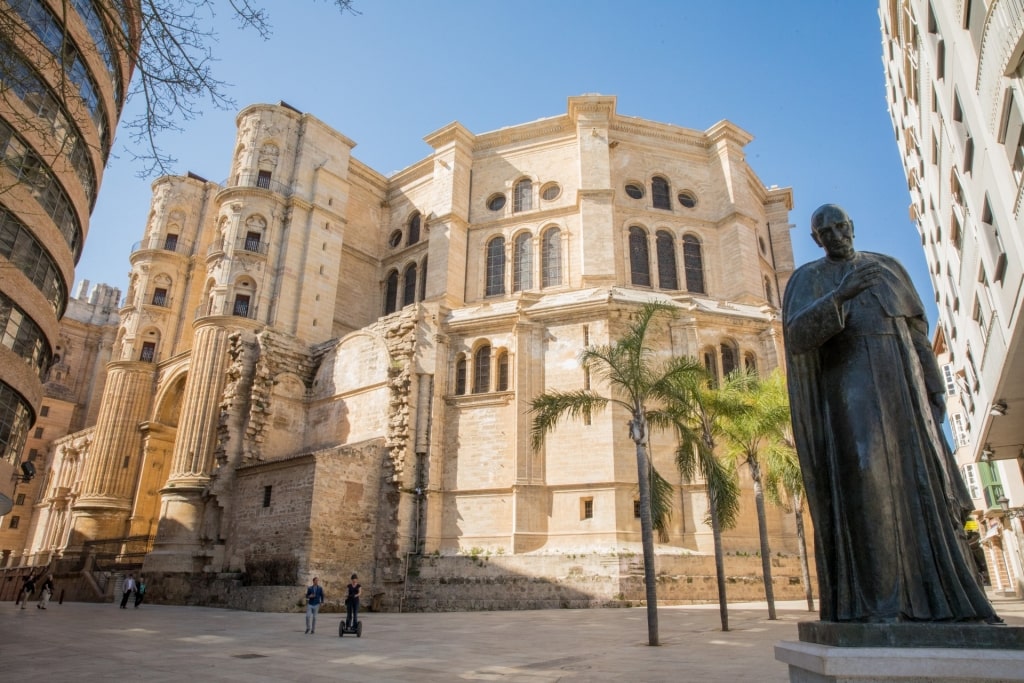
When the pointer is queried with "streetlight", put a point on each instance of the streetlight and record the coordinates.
(1004, 503)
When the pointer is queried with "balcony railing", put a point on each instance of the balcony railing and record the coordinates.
(163, 243)
(238, 309)
(252, 245)
(257, 180)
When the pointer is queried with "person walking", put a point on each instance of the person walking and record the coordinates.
(352, 603)
(127, 588)
(45, 593)
(140, 591)
(314, 598)
(28, 587)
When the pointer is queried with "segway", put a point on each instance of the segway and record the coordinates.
(358, 630)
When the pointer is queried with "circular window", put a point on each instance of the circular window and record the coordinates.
(635, 191)
(551, 191)
(496, 202)
(687, 199)
(395, 239)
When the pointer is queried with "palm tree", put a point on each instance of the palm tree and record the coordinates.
(748, 434)
(784, 484)
(697, 410)
(636, 379)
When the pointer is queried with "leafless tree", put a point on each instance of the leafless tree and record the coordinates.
(174, 44)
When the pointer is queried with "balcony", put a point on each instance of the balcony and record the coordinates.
(251, 245)
(260, 180)
(169, 243)
(237, 309)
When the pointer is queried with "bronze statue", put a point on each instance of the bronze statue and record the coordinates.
(867, 399)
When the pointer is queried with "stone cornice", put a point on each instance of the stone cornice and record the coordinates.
(549, 127)
(729, 131)
(603, 105)
(688, 137)
(359, 170)
(454, 132)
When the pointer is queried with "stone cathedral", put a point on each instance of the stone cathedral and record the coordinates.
(320, 369)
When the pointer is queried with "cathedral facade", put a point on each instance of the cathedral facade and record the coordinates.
(320, 369)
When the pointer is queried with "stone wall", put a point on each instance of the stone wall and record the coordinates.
(481, 582)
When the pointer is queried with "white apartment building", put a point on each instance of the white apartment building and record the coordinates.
(955, 88)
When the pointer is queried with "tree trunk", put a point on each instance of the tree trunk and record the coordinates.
(716, 533)
(638, 432)
(805, 571)
(762, 532)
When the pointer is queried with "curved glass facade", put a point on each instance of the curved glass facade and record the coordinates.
(21, 334)
(19, 246)
(16, 417)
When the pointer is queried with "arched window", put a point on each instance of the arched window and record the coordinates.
(551, 258)
(409, 285)
(728, 359)
(423, 279)
(414, 229)
(661, 193)
(502, 379)
(693, 262)
(523, 200)
(495, 267)
(668, 278)
(482, 370)
(711, 365)
(460, 375)
(391, 293)
(750, 362)
(522, 262)
(639, 257)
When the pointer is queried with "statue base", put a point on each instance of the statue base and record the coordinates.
(830, 652)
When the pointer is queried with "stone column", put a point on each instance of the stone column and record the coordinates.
(108, 482)
(179, 532)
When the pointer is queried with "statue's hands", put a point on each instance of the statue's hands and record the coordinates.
(857, 280)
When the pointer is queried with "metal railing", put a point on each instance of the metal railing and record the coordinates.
(118, 553)
(256, 180)
(163, 243)
(238, 309)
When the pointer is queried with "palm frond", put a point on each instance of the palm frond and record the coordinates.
(662, 494)
(550, 407)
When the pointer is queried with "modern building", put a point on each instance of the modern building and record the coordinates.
(955, 84)
(322, 369)
(71, 398)
(63, 78)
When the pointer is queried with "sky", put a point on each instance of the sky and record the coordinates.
(804, 78)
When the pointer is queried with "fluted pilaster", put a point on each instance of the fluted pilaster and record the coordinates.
(112, 466)
(193, 459)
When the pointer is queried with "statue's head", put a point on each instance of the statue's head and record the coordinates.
(832, 230)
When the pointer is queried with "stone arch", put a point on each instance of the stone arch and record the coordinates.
(147, 345)
(354, 375)
(167, 406)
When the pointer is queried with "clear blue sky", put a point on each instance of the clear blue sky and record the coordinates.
(804, 78)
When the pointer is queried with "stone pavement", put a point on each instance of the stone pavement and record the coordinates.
(99, 642)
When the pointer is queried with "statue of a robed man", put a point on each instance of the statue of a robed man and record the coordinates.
(867, 398)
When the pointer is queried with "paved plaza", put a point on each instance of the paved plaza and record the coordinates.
(99, 642)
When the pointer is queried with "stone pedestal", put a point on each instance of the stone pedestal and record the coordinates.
(905, 652)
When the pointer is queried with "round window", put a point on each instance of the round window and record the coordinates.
(395, 239)
(551, 191)
(687, 199)
(635, 191)
(496, 202)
